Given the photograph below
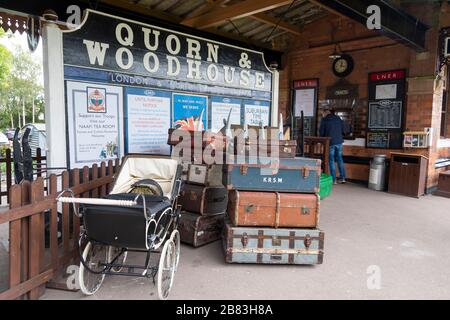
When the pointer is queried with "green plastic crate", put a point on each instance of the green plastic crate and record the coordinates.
(326, 184)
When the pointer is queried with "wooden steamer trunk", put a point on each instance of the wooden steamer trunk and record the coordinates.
(203, 200)
(299, 175)
(198, 230)
(286, 148)
(272, 246)
(273, 209)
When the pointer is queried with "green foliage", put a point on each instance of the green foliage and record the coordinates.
(19, 87)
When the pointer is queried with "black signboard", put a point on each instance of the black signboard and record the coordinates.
(385, 118)
(137, 54)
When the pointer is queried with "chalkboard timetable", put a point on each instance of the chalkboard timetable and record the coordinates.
(385, 119)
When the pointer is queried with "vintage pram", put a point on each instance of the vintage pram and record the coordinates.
(140, 214)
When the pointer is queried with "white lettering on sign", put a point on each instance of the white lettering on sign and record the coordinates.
(213, 52)
(170, 69)
(170, 42)
(272, 180)
(147, 41)
(128, 39)
(96, 51)
(120, 60)
(155, 59)
(193, 51)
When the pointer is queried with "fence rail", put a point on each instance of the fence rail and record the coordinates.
(31, 264)
(39, 168)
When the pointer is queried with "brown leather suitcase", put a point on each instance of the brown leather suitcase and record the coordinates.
(198, 230)
(203, 200)
(273, 209)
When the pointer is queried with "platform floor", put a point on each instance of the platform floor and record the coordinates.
(404, 240)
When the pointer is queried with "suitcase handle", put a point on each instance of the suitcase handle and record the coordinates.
(249, 208)
(277, 257)
(220, 199)
(307, 241)
(305, 210)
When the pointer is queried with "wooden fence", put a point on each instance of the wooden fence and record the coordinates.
(32, 266)
(39, 167)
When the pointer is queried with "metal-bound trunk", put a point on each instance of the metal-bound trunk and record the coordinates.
(206, 175)
(198, 230)
(273, 209)
(285, 148)
(272, 246)
(299, 175)
(203, 200)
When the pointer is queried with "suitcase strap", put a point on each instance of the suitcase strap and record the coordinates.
(277, 210)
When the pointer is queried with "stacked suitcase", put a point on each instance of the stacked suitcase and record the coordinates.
(273, 212)
(203, 200)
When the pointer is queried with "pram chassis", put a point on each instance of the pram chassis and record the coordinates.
(98, 259)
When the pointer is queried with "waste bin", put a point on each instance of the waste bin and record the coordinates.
(377, 174)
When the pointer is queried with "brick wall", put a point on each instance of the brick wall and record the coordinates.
(308, 58)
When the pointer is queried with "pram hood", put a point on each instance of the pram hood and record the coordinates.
(137, 167)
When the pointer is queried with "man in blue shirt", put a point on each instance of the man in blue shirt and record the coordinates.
(332, 126)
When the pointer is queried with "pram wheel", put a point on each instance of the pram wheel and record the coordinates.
(93, 257)
(114, 252)
(166, 269)
(175, 237)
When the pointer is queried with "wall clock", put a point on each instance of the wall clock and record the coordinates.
(343, 66)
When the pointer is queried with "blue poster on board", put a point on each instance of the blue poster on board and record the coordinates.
(147, 120)
(189, 111)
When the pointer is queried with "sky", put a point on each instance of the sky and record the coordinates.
(12, 40)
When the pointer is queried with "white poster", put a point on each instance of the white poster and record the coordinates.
(220, 108)
(257, 112)
(386, 91)
(95, 125)
(148, 121)
(305, 101)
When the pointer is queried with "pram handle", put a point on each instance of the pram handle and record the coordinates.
(103, 202)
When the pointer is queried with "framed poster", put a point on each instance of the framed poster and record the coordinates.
(95, 123)
(220, 108)
(304, 97)
(257, 112)
(147, 120)
(189, 112)
(386, 114)
(305, 100)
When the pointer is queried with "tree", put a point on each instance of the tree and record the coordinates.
(6, 59)
(20, 89)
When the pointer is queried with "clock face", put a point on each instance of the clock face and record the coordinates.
(343, 66)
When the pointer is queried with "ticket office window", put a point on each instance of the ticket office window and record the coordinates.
(346, 110)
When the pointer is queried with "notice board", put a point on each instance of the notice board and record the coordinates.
(386, 109)
(304, 99)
